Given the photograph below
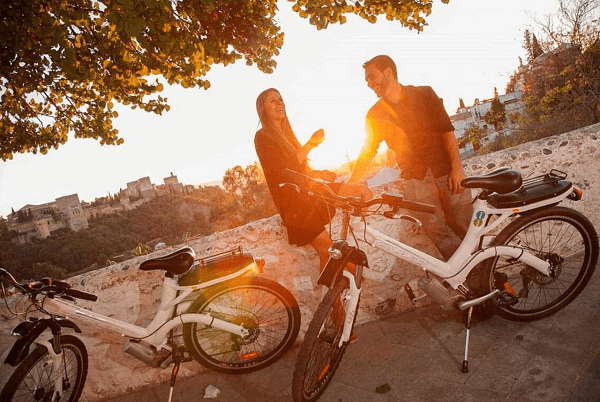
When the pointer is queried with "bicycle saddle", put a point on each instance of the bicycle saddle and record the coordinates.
(501, 181)
(176, 263)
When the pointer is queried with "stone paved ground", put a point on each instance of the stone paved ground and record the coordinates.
(419, 354)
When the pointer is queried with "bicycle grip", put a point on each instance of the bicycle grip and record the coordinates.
(417, 206)
(81, 295)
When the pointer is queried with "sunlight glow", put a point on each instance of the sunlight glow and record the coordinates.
(468, 48)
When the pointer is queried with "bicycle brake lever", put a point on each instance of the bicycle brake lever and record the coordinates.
(295, 186)
(392, 215)
(411, 219)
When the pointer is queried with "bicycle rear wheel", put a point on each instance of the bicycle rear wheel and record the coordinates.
(268, 310)
(33, 380)
(559, 235)
(320, 354)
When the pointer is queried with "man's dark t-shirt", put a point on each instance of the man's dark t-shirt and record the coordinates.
(421, 116)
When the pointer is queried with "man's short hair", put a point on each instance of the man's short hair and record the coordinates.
(382, 62)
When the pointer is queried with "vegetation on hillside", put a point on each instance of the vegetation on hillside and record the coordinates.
(560, 83)
(115, 237)
(562, 89)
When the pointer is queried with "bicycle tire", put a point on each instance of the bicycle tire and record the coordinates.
(560, 235)
(320, 355)
(33, 379)
(266, 308)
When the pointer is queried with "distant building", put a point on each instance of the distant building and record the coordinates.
(147, 188)
(470, 116)
(39, 221)
(72, 211)
(525, 78)
(133, 189)
(172, 185)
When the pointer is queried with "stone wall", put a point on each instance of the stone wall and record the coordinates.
(128, 294)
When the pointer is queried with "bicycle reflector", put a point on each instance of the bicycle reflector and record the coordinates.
(260, 265)
(576, 194)
(509, 289)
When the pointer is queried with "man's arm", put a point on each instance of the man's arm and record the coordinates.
(374, 127)
(362, 165)
(456, 173)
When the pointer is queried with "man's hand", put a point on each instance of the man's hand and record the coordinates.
(355, 190)
(454, 179)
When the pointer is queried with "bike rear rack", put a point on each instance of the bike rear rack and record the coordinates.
(222, 257)
(553, 177)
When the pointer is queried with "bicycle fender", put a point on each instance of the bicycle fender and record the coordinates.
(334, 267)
(28, 332)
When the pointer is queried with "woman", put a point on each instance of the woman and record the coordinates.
(278, 148)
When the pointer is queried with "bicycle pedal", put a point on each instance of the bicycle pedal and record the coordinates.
(506, 299)
(414, 299)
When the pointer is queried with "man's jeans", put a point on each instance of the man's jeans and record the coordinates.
(447, 227)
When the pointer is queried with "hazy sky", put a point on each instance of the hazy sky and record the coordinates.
(469, 47)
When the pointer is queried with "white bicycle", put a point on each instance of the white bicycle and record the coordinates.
(231, 323)
(536, 265)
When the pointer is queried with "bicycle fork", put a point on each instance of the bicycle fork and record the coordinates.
(351, 306)
(55, 355)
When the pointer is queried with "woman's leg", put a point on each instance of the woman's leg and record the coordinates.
(321, 244)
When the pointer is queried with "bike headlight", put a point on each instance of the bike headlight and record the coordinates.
(335, 253)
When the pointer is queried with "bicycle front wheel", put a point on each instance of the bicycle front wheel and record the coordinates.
(563, 237)
(33, 380)
(264, 307)
(321, 354)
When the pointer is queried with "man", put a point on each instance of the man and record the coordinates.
(414, 124)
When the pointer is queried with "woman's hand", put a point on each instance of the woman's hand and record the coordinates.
(317, 138)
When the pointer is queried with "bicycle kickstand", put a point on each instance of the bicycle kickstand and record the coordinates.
(177, 357)
(465, 365)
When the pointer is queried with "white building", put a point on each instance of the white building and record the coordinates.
(474, 116)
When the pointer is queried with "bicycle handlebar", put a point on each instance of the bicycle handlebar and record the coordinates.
(308, 184)
(411, 205)
(78, 294)
(46, 285)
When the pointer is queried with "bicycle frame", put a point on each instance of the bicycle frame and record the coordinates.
(470, 252)
(174, 298)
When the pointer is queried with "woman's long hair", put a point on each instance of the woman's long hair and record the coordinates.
(267, 124)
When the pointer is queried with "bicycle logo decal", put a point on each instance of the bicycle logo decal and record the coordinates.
(479, 221)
